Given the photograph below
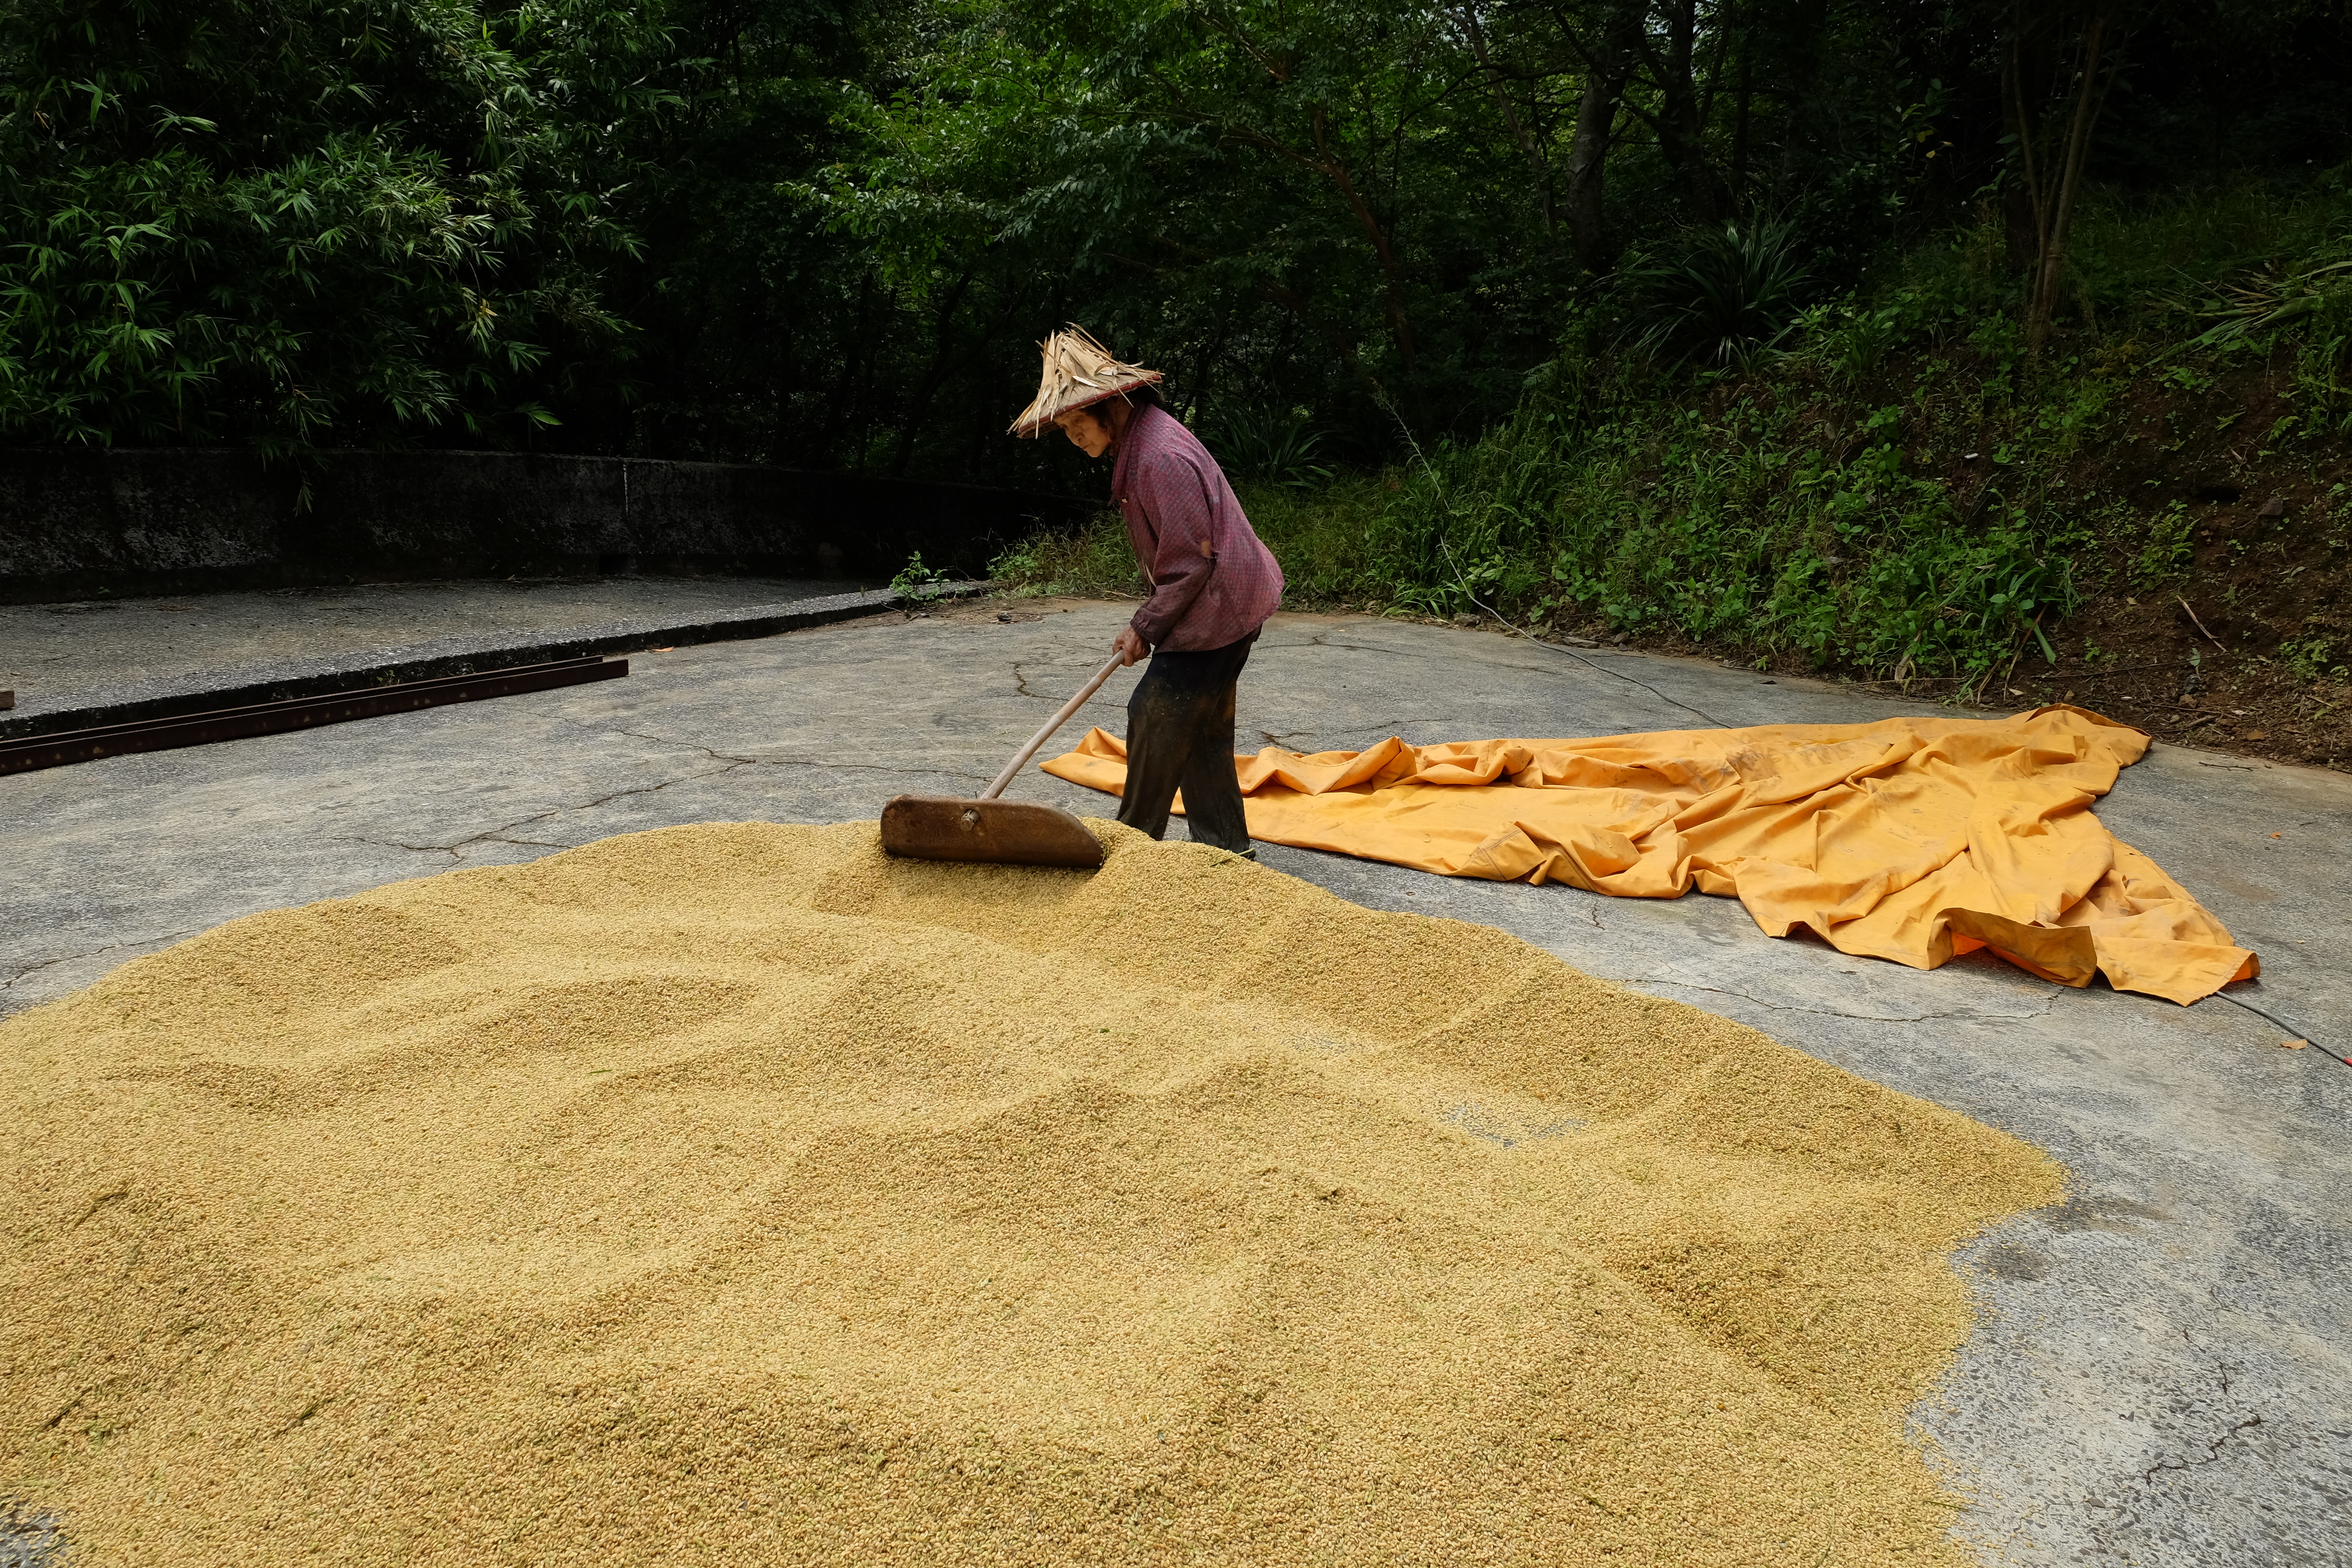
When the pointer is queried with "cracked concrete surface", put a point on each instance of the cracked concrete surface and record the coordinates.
(2161, 1375)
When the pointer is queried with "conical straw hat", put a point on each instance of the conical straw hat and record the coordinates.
(1078, 372)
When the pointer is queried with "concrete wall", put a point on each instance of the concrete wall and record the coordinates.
(73, 523)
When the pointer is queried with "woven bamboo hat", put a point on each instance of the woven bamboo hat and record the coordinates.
(1078, 372)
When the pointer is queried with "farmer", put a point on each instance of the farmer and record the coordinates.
(1213, 585)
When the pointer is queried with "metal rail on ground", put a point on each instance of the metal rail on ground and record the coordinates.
(298, 713)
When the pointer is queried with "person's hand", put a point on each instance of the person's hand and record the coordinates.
(1127, 646)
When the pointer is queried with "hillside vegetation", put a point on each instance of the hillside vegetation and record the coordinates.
(2150, 519)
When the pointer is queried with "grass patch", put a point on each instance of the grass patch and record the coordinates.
(1093, 562)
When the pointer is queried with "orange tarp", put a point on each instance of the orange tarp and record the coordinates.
(1911, 839)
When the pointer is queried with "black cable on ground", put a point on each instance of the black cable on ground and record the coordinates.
(2293, 1033)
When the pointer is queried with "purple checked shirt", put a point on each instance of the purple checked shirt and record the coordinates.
(1214, 582)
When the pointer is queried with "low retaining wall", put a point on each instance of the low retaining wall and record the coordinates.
(76, 523)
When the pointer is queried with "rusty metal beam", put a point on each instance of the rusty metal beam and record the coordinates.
(298, 713)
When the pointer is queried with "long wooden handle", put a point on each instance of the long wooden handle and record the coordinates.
(1020, 757)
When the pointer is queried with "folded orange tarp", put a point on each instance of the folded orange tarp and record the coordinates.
(1911, 839)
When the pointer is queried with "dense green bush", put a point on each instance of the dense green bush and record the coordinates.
(1742, 529)
(1731, 296)
(294, 222)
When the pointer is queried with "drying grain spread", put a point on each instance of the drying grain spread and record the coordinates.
(736, 1195)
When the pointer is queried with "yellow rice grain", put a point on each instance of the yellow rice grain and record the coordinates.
(736, 1194)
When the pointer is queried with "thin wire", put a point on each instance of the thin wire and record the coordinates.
(2293, 1031)
(1460, 581)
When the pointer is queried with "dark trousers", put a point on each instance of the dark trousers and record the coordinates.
(1179, 734)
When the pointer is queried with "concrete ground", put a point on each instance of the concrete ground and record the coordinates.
(70, 656)
(2162, 1376)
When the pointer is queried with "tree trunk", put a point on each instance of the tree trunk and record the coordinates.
(2051, 193)
(1680, 118)
(2027, 205)
(1391, 274)
(1519, 132)
(2087, 102)
(1607, 71)
(2021, 240)
(1800, 51)
(1745, 96)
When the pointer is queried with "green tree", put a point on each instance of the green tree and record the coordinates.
(302, 221)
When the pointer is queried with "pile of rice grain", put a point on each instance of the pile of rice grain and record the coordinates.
(736, 1194)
